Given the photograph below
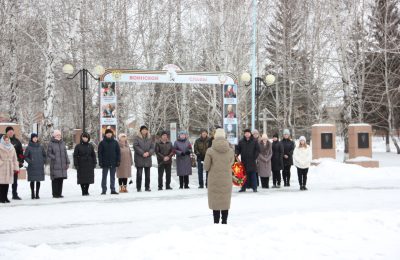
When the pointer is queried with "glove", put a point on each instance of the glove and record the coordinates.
(187, 152)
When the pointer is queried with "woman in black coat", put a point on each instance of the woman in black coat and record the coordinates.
(85, 161)
(288, 148)
(35, 156)
(276, 161)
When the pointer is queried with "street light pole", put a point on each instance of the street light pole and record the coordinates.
(84, 75)
(254, 65)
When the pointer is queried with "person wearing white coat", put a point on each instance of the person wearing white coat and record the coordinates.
(302, 160)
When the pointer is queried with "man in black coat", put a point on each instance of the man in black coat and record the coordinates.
(288, 148)
(109, 159)
(200, 149)
(20, 157)
(249, 149)
(276, 161)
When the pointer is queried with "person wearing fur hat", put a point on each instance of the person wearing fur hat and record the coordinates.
(288, 148)
(8, 166)
(85, 162)
(200, 149)
(59, 163)
(218, 162)
(144, 149)
(256, 135)
(20, 157)
(302, 157)
(124, 171)
(183, 150)
(276, 161)
(109, 155)
(249, 149)
(264, 161)
(164, 151)
(35, 156)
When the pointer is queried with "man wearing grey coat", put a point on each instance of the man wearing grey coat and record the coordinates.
(144, 149)
(59, 163)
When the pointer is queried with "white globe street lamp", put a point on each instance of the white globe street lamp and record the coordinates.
(68, 69)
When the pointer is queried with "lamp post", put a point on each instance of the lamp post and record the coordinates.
(247, 79)
(83, 73)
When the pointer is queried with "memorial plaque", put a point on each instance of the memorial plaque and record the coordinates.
(363, 140)
(326, 141)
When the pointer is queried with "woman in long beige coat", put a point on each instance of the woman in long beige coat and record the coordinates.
(124, 170)
(8, 167)
(218, 163)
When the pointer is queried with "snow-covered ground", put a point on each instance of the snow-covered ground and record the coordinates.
(349, 212)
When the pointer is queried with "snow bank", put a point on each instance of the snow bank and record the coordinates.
(327, 235)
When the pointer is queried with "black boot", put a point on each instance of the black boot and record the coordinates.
(37, 189)
(32, 190)
(180, 182)
(216, 214)
(224, 216)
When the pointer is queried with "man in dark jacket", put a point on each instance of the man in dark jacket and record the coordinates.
(144, 149)
(200, 149)
(20, 156)
(288, 148)
(164, 151)
(276, 161)
(249, 149)
(109, 155)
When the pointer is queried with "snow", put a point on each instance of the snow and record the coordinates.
(349, 212)
(359, 124)
(323, 125)
(360, 159)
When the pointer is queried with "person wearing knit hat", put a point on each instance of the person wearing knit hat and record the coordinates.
(220, 132)
(59, 163)
(85, 162)
(8, 167)
(124, 170)
(109, 155)
(302, 157)
(276, 161)
(20, 157)
(200, 148)
(35, 156)
(264, 161)
(248, 149)
(288, 148)
(143, 146)
(218, 162)
(183, 150)
(164, 151)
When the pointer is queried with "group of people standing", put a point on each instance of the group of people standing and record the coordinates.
(214, 156)
(263, 158)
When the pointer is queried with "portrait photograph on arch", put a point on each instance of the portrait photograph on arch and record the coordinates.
(108, 89)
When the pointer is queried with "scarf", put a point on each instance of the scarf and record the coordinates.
(7, 146)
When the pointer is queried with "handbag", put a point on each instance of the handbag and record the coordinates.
(193, 160)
